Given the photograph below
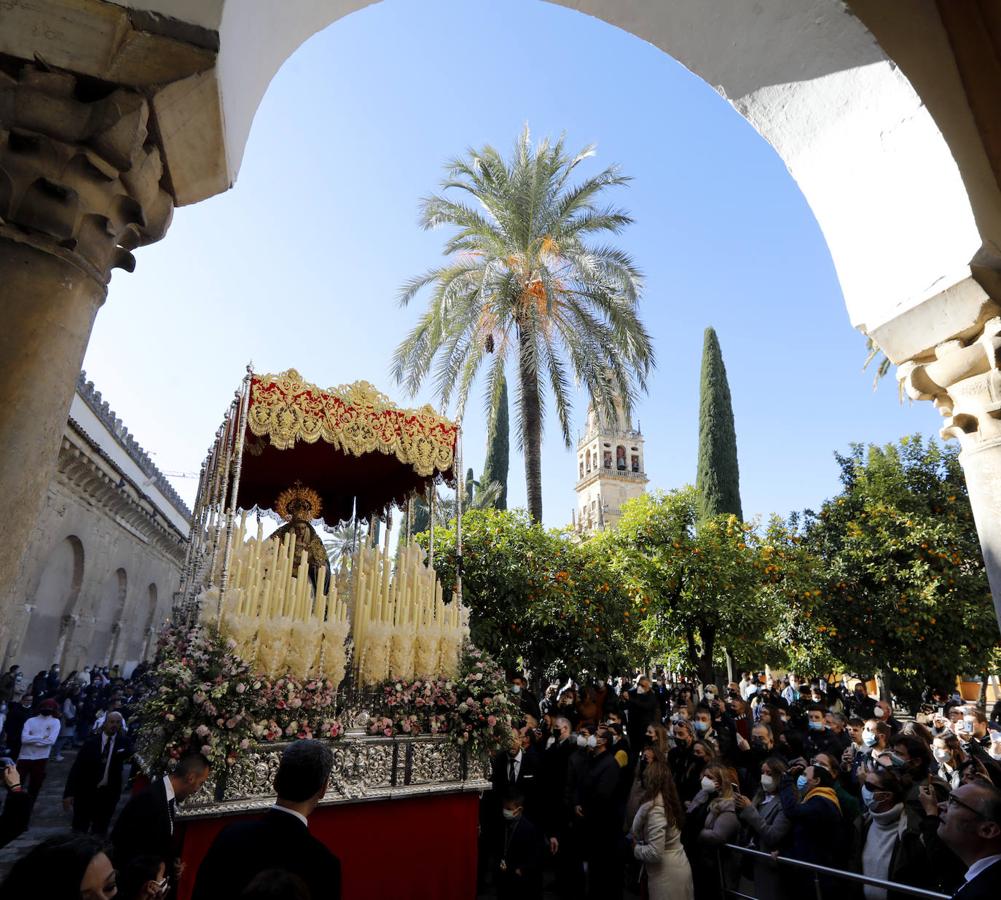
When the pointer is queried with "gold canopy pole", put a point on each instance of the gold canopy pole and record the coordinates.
(219, 497)
(241, 428)
(459, 496)
(193, 543)
(431, 492)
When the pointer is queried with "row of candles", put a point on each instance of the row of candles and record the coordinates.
(398, 620)
(401, 625)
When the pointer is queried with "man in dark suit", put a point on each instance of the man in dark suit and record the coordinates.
(971, 827)
(94, 783)
(517, 768)
(281, 839)
(521, 853)
(145, 827)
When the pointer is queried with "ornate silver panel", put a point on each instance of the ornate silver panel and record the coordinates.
(365, 768)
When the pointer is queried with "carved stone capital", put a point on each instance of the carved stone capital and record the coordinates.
(964, 383)
(80, 177)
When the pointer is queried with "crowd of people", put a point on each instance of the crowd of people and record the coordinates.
(137, 858)
(653, 784)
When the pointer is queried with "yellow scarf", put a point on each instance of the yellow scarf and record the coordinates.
(826, 793)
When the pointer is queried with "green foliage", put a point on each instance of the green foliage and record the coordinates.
(495, 467)
(537, 599)
(525, 282)
(696, 588)
(718, 481)
(904, 590)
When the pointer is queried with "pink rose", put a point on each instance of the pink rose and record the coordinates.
(491, 721)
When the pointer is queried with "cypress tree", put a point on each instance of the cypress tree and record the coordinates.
(718, 480)
(498, 436)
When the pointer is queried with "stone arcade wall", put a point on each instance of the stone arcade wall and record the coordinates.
(106, 556)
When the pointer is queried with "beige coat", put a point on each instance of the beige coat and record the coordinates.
(658, 847)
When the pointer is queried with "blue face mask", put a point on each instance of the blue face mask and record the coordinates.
(868, 797)
(801, 783)
(701, 726)
(816, 726)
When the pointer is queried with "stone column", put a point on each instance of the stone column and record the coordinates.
(66, 627)
(964, 382)
(81, 185)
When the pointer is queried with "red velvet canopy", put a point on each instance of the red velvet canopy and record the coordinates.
(344, 443)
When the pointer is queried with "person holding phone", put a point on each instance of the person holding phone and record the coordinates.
(16, 805)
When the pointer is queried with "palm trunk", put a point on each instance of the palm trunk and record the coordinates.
(531, 423)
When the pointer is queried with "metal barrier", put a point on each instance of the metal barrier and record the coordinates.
(818, 871)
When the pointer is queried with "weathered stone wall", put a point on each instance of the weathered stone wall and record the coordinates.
(106, 555)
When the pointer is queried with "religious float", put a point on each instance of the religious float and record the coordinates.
(271, 642)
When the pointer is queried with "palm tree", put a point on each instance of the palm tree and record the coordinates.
(523, 281)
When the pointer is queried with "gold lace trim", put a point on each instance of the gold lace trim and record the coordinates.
(354, 418)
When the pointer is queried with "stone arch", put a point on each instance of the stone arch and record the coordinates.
(145, 641)
(108, 618)
(807, 75)
(53, 607)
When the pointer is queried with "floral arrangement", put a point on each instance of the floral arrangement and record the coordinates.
(296, 709)
(475, 709)
(205, 697)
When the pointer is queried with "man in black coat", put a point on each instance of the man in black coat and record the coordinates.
(642, 710)
(145, 827)
(521, 853)
(94, 783)
(596, 811)
(971, 827)
(517, 769)
(17, 715)
(281, 839)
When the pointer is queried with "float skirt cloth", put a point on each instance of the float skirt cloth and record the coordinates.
(419, 848)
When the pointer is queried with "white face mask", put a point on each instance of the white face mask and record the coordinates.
(768, 784)
(941, 754)
(550, 742)
(581, 740)
(878, 713)
(708, 785)
(868, 738)
(592, 741)
(511, 814)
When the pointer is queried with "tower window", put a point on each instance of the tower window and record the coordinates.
(635, 463)
(620, 458)
(608, 459)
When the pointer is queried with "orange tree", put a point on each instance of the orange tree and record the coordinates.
(697, 589)
(537, 599)
(904, 593)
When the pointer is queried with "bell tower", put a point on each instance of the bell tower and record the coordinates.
(610, 470)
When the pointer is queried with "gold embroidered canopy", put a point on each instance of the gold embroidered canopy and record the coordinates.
(347, 443)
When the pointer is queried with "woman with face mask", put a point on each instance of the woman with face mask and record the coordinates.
(712, 822)
(655, 834)
(765, 828)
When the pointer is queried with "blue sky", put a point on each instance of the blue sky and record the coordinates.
(300, 264)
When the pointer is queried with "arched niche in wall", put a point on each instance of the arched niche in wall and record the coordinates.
(108, 619)
(53, 605)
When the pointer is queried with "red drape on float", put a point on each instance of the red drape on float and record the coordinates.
(423, 848)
